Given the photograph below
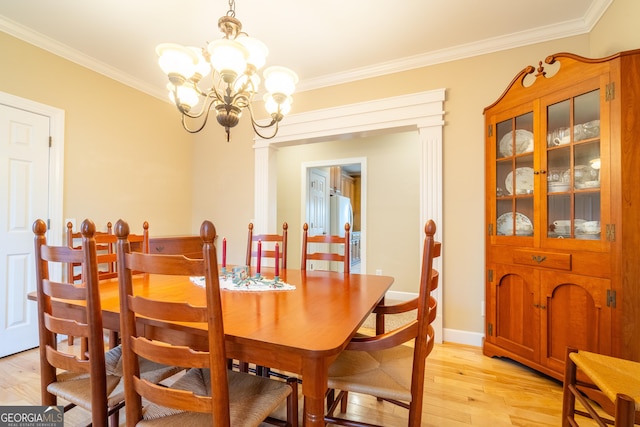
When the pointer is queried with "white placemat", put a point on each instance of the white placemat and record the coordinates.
(250, 284)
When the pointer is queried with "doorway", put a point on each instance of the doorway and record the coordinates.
(422, 111)
(31, 152)
(346, 178)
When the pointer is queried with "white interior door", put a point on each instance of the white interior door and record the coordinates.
(318, 208)
(24, 156)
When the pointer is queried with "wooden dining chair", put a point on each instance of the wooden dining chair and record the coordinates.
(93, 382)
(326, 248)
(106, 258)
(610, 382)
(208, 393)
(268, 242)
(383, 365)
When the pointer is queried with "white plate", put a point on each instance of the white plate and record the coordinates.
(524, 143)
(505, 225)
(524, 181)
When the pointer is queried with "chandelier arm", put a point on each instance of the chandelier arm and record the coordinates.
(256, 126)
(206, 106)
(204, 121)
(274, 119)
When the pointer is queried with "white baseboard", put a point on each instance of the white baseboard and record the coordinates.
(463, 337)
(449, 335)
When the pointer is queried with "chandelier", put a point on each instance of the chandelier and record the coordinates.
(231, 65)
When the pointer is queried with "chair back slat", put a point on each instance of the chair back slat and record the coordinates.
(64, 290)
(170, 311)
(173, 356)
(63, 326)
(173, 398)
(326, 248)
(67, 362)
(164, 264)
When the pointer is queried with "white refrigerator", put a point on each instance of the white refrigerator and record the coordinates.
(340, 213)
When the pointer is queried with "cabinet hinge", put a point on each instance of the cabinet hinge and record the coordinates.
(490, 329)
(610, 91)
(50, 141)
(611, 232)
(490, 229)
(490, 130)
(611, 298)
(490, 276)
(48, 224)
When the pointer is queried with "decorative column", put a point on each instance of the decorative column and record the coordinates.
(265, 187)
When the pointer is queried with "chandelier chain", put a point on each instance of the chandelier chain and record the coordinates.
(232, 9)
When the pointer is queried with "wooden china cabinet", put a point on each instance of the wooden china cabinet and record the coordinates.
(563, 211)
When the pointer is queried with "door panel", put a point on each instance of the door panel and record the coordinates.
(575, 314)
(516, 316)
(24, 156)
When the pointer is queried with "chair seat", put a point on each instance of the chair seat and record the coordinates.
(252, 399)
(73, 386)
(613, 376)
(381, 373)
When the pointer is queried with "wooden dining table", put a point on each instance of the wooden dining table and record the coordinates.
(301, 331)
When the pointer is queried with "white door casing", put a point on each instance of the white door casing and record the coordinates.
(423, 111)
(31, 188)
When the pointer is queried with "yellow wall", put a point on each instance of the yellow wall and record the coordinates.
(392, 199)
(127, 156)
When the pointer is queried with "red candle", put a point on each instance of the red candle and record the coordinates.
(277, 260)
(224, 252)
(259, 256)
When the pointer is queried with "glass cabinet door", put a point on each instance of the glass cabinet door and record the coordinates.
(514, 176)
(573, 167)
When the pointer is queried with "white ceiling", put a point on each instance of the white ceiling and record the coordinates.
(325, 42)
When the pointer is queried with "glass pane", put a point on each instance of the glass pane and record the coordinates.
(558, 123)
(514, 176)
(587, 223)
(573, 167)
(559, 216)
(586, 116)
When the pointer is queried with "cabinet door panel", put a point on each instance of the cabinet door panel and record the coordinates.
(574, 313)
(517, 320)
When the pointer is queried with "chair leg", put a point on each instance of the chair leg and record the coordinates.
(625, 411)
(568, 398)
(292, 402)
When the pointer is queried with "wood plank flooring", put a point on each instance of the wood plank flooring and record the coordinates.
(462, 388)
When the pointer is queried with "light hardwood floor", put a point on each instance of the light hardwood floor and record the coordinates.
(462, 388)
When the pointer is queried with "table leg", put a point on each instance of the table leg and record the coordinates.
(314, 387)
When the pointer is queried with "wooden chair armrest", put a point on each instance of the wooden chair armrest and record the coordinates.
(383, 341)
(402, 307)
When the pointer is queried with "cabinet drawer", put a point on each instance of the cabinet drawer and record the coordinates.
(542, 259)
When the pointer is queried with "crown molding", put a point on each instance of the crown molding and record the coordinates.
(481, 47)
